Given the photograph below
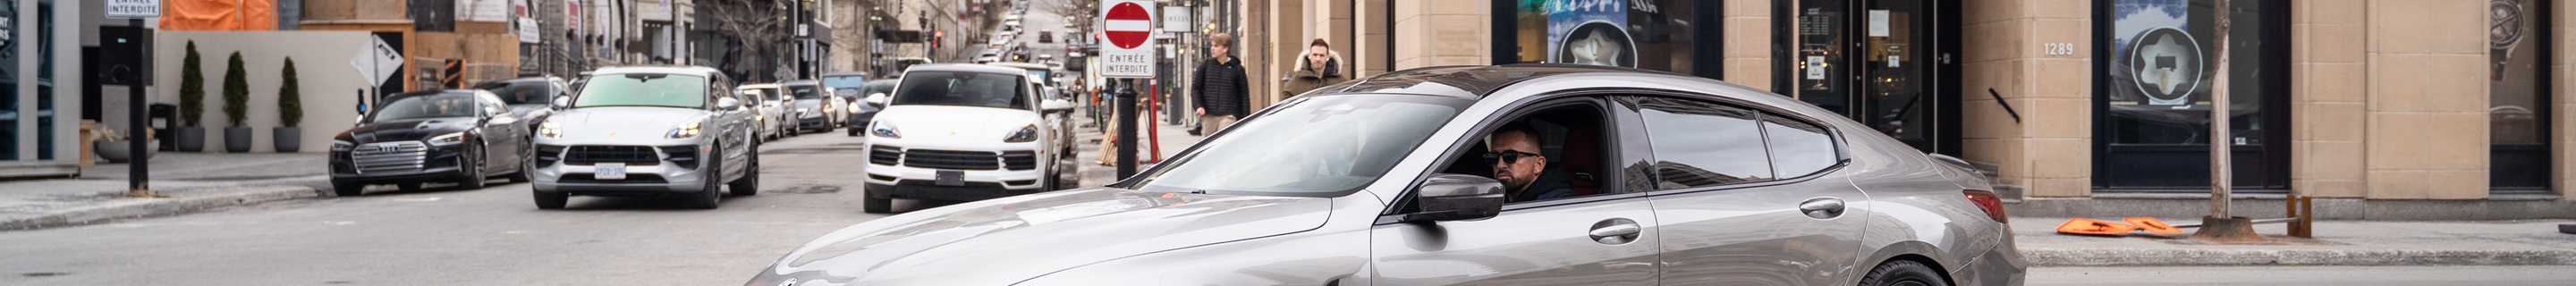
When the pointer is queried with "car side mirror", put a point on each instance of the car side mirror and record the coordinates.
(878, 99)
(561, 102)
(1452, 197)
(728, 103)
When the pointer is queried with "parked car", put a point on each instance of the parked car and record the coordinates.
(771, 107)
(876, 92)
(960, 132)
(1660, 179)
(1059, 119)
(528, 96)
(649, 131)
(1046, 37)
(461, 136)
(816, 108)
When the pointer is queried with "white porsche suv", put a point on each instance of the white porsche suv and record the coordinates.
(961, 132)
(648, 131)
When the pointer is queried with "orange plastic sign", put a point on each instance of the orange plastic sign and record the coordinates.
(2095, 227)
(2152, 225)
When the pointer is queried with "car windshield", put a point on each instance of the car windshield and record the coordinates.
(518, 92)
(805, 91)
(426, 106)
(1315, 147)
(643, 89)
(840, 82)
(962, 89)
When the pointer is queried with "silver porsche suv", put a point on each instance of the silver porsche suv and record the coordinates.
(1485, 175)
(667, 131)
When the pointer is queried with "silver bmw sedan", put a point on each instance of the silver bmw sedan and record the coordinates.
(1491, 175)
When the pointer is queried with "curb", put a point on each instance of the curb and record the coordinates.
(2063, 257)
(138, 208)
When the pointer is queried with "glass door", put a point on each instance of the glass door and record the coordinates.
(1886, 64)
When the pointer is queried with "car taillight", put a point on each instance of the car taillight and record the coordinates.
(1987, 201)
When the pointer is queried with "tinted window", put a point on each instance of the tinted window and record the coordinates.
(427, 106)
(1316, 146)
(805, 91)
(962, 89)
(655, 90)
(1799, 148)
(1704, 144)
(520, 92)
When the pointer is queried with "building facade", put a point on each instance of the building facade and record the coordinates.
(2074, 103)
(40, 110)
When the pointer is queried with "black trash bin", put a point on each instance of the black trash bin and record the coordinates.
(160, 116)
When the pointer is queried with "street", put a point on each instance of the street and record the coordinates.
(2305, 275)
(442, 236)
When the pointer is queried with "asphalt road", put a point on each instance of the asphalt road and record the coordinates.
(446, 236)
(2306, 275)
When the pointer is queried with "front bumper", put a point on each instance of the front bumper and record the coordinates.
(814, 121)
(901, 179)
(666, 176)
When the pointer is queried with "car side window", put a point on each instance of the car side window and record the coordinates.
(1553, 153)
(1799, 148)
(1699, 143)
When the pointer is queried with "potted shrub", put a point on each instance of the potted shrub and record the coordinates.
(290, 110)
(192, 103)
(236, 104)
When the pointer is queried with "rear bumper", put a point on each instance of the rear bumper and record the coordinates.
(2002, 265)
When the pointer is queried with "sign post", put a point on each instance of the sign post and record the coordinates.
(1126, 26)
(138, 168)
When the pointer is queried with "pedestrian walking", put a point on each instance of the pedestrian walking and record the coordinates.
(1319, 66)
(1221, 89)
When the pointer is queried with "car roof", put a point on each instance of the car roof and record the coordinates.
(391, 98)
(845, 74)
(758, 86)
(800, 82)
(1466, 81)
(987, 68)
(1020, 65)
(687, 70)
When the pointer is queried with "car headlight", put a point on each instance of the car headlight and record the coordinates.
(342, 146)
(1026, 134)
(685, 130)
(550, 130)
(884, 129)
(855, 105)
(451, 139)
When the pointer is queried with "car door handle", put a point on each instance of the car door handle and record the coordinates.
(1615, 231)
(1822, 208)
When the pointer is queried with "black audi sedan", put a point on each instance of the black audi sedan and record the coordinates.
(461, 136)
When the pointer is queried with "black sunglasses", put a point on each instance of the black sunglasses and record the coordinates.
(1510, 156)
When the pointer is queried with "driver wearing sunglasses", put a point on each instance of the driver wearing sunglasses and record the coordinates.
(1519, 165)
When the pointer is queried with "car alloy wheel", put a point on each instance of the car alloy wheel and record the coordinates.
(470, 168)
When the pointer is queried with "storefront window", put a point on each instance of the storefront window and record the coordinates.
(2517, 109)
(2158, 64)
(1646, 34)
(2163, 64)
(9, 97)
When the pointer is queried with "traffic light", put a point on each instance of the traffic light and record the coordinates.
(935, 36)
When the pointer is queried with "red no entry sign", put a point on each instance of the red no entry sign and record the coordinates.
(1128, 25)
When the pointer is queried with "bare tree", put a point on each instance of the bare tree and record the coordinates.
(754, 30)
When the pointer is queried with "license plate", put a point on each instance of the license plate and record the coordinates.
(951, 178)
(609, 171)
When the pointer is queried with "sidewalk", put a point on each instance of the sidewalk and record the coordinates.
(2337, 242)
(193, 182)
(1173, 139)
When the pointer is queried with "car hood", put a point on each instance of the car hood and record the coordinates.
(955, 122)
(1007, 240)
(598, 122)
(808, 104)
(414, 129)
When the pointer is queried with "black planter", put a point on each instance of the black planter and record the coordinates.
(237, 139)
(191, 139)
(288, 139)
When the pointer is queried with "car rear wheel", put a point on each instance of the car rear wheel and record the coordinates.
(527, 165)
(1902, 273)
